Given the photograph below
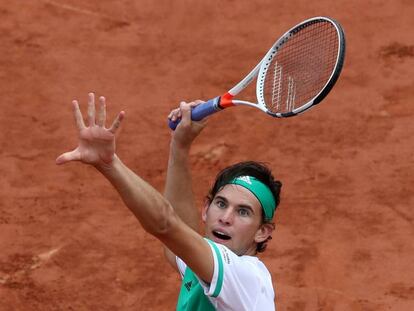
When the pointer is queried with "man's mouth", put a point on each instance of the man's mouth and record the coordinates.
(221, 235)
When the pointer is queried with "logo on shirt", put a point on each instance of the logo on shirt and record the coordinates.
(188, 285)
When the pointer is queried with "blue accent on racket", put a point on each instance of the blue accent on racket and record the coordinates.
(200, 112)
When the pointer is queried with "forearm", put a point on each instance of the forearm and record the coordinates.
(178, 187)
(151, 209)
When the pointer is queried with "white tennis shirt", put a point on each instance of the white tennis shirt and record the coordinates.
(239, 283)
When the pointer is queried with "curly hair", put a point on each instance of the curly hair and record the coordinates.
(249, 168)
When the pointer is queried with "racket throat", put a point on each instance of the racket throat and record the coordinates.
(225, 101)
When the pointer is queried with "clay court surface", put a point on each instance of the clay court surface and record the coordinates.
(345, 228)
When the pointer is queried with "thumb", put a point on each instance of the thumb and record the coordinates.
(67, 157)
(185, 112)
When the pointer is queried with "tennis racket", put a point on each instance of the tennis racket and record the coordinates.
(296, 73)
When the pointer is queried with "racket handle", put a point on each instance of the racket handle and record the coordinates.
(200, 112)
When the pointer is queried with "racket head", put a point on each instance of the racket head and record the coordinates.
(301, 67)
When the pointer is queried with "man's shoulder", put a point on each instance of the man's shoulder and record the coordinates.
(253, 263)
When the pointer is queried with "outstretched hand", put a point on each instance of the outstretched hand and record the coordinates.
(96, 142)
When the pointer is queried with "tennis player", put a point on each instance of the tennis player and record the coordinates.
(220, 270)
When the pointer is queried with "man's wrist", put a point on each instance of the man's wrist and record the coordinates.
(180, 147)
(107, 168)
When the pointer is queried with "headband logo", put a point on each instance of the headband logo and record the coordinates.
(246, 179)
(260, 190)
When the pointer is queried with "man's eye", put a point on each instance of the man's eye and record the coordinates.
(221, 204)
(244, 212)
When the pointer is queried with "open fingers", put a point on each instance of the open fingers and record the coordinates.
(93, 119)
(91, 109)
(101, 112)
(78, 115)
(117, 122)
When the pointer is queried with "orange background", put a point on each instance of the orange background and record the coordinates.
(344, 238)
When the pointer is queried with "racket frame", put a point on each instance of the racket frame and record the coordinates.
(261, 69)
(227, 100)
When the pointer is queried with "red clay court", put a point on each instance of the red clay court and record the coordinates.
(344, 236)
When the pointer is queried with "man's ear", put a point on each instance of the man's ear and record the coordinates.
(264, 232)
(204, 211)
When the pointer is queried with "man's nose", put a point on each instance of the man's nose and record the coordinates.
(227, 216)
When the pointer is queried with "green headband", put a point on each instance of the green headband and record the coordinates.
(260, 191)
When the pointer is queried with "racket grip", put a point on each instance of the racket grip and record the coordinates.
(200, 112)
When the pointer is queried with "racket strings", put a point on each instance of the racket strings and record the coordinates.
(301, 68)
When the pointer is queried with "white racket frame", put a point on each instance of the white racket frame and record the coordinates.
(261, 68)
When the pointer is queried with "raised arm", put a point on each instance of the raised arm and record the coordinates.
(178, 185)
(154, 212)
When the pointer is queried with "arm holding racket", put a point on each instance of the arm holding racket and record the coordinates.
(178, 186)
(178, 182)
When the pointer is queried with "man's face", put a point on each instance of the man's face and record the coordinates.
(234, 218)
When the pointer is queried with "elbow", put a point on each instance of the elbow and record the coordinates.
(164, 222)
